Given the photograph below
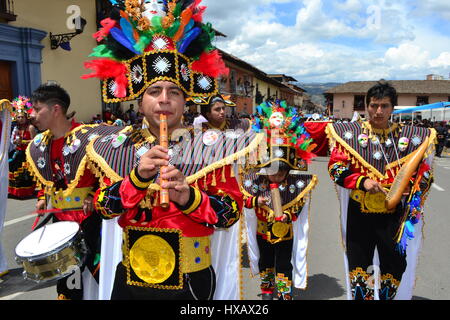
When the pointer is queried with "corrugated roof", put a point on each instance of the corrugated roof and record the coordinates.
(402, 86)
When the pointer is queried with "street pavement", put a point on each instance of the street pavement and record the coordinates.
(326, 277)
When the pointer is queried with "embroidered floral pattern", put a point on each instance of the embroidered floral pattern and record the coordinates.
(267, 281)
(388, 287)
(361, 285)
(337, 170)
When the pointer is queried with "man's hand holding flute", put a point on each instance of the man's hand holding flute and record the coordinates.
(170, 178)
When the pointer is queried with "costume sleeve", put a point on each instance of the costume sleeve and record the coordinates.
(41, 194)
(250, 202)
(200, 207)
(224, 194)
(211, 201)
(294, 216)
(120, 197)
(341, 173)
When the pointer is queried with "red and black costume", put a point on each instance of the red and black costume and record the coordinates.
(276, 249)
(59, 168)
(360, 152)
(177, 235)
(21, 184)
(279, 246)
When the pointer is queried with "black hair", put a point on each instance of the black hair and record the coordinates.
(204, 109)
(51, 94)
(282, 166)
(380, 90)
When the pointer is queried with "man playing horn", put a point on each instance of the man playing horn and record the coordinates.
(365, 164)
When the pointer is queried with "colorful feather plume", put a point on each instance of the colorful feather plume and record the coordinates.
(133, 29)
(284, 121)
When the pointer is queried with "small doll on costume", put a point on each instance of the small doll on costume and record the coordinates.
(279, 193)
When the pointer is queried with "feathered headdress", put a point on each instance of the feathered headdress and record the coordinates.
(287, 139)
(145, 41)
(21, 105)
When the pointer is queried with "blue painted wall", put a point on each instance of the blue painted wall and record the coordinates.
(22, 47)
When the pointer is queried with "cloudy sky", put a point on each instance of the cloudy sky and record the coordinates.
(337, 40)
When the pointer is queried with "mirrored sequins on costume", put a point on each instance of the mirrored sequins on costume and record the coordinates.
(360, 152)
(205, 167)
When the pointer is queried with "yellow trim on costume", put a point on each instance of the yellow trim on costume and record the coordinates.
(294, 204)
(358, 182)
(134, 95)
(196, 254)
(384, 133)
(353, 155)
(137, 182)
(61, 201)
(223, 125)
(99, 166)
(48, 186)
(126, 248)
(196, 203)
(227, 160)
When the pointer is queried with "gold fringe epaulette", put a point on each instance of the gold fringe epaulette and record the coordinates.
(294, 205)
(98, 165)
(46, 185)
(335, 141)
(102, 169)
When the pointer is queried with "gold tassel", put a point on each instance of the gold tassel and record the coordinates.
(213, 183)
(205, 185)
(223, 179)
(156, 199)
(232, 172)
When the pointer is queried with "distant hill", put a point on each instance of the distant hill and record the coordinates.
(316, 90)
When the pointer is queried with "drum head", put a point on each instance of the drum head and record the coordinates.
(47, 239)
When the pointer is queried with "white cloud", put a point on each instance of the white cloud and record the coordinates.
(407, 56)
(443, 61)
(335, 40)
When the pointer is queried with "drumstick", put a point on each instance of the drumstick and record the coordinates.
(164, 142)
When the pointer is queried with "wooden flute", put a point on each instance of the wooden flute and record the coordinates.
(164, 142)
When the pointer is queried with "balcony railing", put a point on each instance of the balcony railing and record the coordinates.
(7, 10)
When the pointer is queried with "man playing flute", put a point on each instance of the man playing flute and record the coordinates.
(166, 251)
(381, 240)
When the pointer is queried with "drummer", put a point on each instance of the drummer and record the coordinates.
(56, 158)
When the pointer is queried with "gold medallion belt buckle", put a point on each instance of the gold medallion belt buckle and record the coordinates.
(279, 231)
(370, 202)
(152, 257)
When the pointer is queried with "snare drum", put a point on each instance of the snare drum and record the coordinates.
(52, 252)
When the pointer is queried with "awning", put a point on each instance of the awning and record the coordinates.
(437, 105)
